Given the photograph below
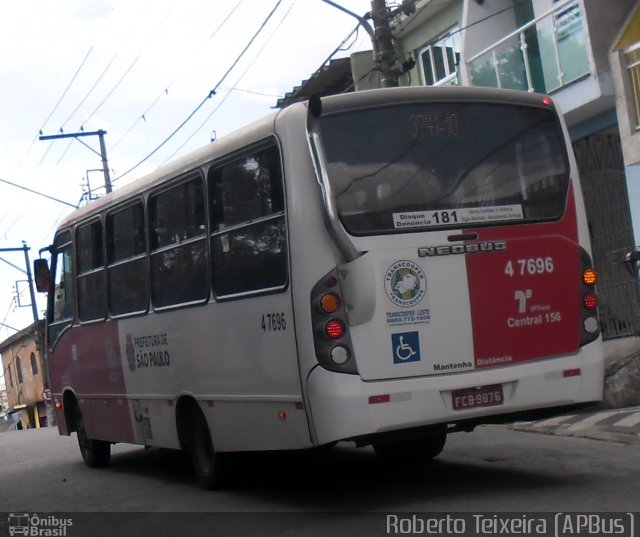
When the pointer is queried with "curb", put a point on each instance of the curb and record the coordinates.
(620, 425)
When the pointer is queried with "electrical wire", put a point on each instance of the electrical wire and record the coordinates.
(101, 104)
(115, 87)
(211, 94)
(64, 93)
(233, 88)
(3, 323)
(165, 91)
(143, 116)
(225, 20)
(95, 84)
(126, 73)
(37, 193)
(470, 25)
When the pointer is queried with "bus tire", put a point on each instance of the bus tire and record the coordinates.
(95, 453)
(204, 459)
(412, 450)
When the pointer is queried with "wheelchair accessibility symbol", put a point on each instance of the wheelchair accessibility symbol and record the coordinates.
(406, 347)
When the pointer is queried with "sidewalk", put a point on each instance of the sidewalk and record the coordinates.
(614, 425)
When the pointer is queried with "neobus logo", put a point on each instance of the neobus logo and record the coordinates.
(475, 247)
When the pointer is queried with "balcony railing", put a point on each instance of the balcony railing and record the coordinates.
(544, 55)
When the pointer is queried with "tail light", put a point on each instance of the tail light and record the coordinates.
(335, 329)
(330, 303)
(590, 301)
(589, 307)
(589, 277)
(331, 334)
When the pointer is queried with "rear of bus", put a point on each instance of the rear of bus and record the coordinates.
(463, 288)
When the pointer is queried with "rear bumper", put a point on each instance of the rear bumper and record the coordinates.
(345, 407)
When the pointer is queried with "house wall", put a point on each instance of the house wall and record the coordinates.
(410, 42)
(4, 400)
(499, 20)
(29, 392)
(604, 20)
(624, 107)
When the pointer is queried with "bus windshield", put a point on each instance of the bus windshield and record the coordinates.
(416, 167)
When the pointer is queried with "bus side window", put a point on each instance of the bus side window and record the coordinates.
(247, 199)
(63, 294)
(177, 240)
(127, 261)
(62, 302)
(91, 273)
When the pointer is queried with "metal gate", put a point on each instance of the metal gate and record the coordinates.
(601, 167)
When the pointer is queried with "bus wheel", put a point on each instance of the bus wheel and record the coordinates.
(96, 453)
(412, 450)
(205, 460)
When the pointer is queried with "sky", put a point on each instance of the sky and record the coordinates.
(135, 69)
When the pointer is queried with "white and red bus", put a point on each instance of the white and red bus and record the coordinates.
(381, 267)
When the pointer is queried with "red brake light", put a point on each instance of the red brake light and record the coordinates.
(335, 329)
(546, 101)
(590, 301)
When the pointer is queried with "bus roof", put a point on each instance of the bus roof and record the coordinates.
(265, 127)
(254, 132)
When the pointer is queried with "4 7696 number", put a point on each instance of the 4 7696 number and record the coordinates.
(531, 266)
(273, 322)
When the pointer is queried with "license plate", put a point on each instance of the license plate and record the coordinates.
(481, 396)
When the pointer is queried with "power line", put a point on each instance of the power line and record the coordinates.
(252, 92)
(101, 102)
(13, 299)
(165, 91)
(67, 89)
(462, 28)
(234, 86)
(143, 116)
(60, 99)
(95, 84)
(211, 94)
(37, 193)
(225, 20)
(126, 73)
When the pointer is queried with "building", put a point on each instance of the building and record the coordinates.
(625, 66)
(25, 376)
(4, 399)
(586, 54)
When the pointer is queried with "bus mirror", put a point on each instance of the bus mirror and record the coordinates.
(42, 275)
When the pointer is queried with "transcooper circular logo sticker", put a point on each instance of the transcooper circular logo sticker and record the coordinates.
(405, 283)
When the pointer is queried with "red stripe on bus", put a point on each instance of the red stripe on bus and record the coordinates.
(525, 300)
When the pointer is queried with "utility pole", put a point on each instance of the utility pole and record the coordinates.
(25, 249)
(39, 339)
(386, 59)
(103, 150)
(384, 53)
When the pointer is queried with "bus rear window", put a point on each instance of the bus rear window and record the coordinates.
(440, 165)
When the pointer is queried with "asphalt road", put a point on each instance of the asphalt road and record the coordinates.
(491, 469)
